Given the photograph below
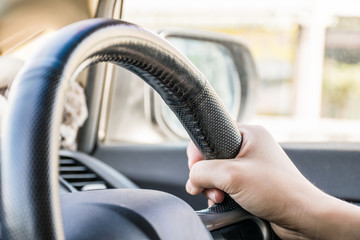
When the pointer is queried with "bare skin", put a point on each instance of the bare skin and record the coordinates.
(265, 182)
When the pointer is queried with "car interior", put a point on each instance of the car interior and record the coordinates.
(125, 178)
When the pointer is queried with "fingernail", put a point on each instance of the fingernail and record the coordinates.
(212, 197)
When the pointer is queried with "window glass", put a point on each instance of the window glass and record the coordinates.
(306, 52)
(341, 78)
(272, 40)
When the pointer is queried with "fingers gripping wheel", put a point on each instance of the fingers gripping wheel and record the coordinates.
(29, 178)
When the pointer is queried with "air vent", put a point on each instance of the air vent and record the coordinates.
(79, 176)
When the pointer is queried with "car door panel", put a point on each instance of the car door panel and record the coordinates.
(334, 168)
(164, 167)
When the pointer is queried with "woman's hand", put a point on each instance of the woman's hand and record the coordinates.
(265, 182)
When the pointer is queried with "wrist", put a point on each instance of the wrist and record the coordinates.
(304, 212)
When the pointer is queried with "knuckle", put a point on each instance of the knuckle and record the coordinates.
(234, 180)
(195, 172)
(231, 173)
(259, 129)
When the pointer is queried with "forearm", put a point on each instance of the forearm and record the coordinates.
(312, 214)
(335, 219)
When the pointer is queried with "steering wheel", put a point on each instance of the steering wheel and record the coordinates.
(30, 199)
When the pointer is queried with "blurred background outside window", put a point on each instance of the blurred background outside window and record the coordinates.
(307, 54)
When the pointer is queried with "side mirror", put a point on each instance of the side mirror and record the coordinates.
(228, 65)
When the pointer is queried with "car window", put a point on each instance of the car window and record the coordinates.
(307, 54)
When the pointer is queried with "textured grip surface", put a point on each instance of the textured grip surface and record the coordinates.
(210, 126)
(29, 173)
(24, 137)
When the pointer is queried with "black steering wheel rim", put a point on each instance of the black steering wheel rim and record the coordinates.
(29, 171)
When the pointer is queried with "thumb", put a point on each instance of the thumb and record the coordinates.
(193, 154)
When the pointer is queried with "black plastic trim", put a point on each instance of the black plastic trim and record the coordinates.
(114, 178)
